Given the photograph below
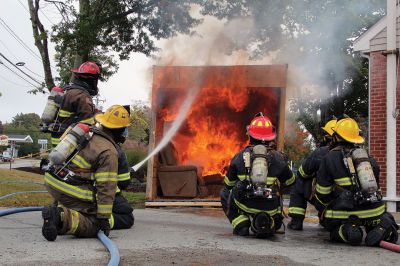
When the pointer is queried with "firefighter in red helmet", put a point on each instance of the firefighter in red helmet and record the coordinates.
(250, 198)
(76, 104)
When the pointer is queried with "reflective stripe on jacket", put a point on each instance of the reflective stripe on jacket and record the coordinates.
(97, 161)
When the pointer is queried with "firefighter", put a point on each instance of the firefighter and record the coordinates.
(250, 195)
(347, 185)
(83, 179)
(76, 104)
(122, 213)
(302, 191)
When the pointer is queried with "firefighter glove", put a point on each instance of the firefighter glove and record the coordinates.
(104, 226)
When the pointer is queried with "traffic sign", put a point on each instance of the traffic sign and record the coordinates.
(3, 140)
(42, 141)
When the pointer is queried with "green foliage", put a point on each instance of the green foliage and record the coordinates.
(102, 29)
(297, 142)
(135, 156)
(136, 199)
(26, 124)
(140, 122)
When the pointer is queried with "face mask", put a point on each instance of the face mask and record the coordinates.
(122, 136)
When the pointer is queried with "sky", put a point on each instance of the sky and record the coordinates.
(131, 83)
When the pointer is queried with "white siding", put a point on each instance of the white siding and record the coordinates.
(378, 43)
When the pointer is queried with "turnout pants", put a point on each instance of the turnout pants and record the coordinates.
(239, 218)
(299, 196)
(122, 213)
(78, 217)
(335, 221)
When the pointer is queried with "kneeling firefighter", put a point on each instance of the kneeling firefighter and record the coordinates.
(347, 185)
(82, 177)
(251, 196)
(306, 175)
(122, 212)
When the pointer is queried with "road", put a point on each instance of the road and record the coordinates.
(180, 237)
(21, 163)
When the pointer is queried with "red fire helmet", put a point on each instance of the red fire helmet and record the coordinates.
(261, 128)
(88, 68)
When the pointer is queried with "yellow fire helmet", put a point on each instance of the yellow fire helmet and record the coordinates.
(329, 126)
(115, 117)
(349, 130)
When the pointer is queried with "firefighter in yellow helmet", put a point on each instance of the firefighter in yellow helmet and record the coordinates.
(348, 188)
(82, 177)
(302, 191)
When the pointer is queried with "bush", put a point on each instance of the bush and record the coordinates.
(134, 157)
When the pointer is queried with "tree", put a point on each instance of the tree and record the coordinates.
(315, 36)
(297, 142)
(26, 124)
(140, 122)
(99, 29)
(41, 42)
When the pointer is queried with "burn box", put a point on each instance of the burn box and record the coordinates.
(190, 169)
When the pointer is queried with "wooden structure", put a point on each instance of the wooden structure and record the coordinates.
(178, 79)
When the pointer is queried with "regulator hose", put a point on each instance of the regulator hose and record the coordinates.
(111, 247)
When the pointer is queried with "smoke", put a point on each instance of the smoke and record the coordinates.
(313, 51)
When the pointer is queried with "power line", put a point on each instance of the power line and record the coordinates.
(18, 39)
(16, 84)
(5, 46)
(1, 63)
(29, 76)
(27, 10)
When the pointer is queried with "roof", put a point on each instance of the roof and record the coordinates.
(363, 43)
(20, 138)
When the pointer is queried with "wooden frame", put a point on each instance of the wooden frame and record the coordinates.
(255, 76)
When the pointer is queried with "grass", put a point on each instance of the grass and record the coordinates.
(15, 180)
(136, 199)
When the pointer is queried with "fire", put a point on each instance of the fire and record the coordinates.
(215, 126)
(210, 139)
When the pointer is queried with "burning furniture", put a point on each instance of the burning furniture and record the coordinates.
(194, 163)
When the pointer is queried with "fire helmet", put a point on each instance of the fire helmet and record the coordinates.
(115, 117)
(261, 128)
(88, 68)
(348, 129)
(329, 126)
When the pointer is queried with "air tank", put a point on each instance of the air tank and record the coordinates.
(364, 171)
(52, 105)
(259, 170)
(68, 144)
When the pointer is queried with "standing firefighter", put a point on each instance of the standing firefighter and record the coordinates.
(82, 177)
(347, 185)
(306, 175)
(73, 103)
(251, 196)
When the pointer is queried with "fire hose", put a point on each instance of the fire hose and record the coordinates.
(111, 247)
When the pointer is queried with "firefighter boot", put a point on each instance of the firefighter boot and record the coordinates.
(385, 230)
(347, 233)
(51, 220)
(296, 223)
(262, 225)
(241, 231)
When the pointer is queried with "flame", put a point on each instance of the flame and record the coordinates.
(215, 127)
(213, 139)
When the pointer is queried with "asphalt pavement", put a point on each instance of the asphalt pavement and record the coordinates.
(180, 237)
